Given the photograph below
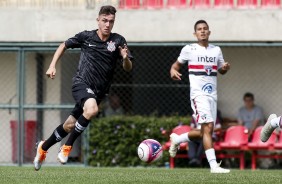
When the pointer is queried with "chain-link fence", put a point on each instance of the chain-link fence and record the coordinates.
(31, 105)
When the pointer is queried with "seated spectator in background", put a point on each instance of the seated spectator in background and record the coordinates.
(250, 115)
(113, 106)
(196, 148)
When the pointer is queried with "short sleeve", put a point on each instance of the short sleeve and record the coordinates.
(220, 59)
(184, 55)
(76, 41)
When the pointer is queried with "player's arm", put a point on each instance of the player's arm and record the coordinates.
(174, 70)
(51, 72)
(126, 64)
(224, 69)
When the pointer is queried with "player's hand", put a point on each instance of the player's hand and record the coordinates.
(226, 66)
(175, 75)
(51, 72)
(123, 51)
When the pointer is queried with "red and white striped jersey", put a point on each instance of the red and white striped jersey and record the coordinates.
(203, 64)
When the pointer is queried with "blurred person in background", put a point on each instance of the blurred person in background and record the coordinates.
(204, 62)
(250, 115)
(113, 106)
(101, 50)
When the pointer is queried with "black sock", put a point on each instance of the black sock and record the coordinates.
(58, 134)
(80, 126)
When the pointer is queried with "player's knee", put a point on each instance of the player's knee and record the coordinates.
(90, 112)
(90, 108)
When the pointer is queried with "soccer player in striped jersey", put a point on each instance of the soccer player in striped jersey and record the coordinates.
(204, 62)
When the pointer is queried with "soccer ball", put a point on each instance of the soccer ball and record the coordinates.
(150, 150)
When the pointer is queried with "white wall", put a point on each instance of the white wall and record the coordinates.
(142, 25)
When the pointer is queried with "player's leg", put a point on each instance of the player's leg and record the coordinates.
(272, 123)
(58, 134)
(207, 124)
(90, 109)
(194, 134)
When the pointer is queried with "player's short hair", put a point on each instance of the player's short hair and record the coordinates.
(107, 10)
(200, 22)
(249, 95)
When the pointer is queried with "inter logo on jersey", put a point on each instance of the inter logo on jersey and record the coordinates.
(111, 46)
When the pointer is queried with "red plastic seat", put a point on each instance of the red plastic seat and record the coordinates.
(236, 138)
(278, 145)
(176, 3)
(200, 3)
(256, 142)
(270, 3)
(129, 4)
(223, 3)
(152, 4)
(256, 145)
(247, 3)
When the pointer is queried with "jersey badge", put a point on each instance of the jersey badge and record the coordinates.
(89, 91)
(207, 88)
(111, 46)
(208, 69)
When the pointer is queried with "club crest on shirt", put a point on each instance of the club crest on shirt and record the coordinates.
(208, 69)
(111, 46)
(89, 91)
(207, 88)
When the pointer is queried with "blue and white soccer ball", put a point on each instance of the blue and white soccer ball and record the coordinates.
(150, 150)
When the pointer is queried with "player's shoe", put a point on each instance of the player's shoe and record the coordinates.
(219, 170)
(63, 154)
(173, 145)
(267, 129)
(40, 156)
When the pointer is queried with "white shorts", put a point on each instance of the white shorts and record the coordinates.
(205, 109)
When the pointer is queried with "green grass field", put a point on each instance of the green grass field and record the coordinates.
(81, 175)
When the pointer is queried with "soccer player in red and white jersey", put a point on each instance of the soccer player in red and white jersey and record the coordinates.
(204, 62)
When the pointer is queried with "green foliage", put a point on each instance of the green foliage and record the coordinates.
(114, 140)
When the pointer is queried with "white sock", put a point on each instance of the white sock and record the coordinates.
(275, 122)
(210, 153)
(182, 138)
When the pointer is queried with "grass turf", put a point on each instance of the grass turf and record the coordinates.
(81, 175)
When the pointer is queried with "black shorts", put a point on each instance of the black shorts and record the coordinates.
(81, 92)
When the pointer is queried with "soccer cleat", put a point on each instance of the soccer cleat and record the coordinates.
(219, 170)
(267, 129)
(63, 154)
(173, 145)
(40, 156)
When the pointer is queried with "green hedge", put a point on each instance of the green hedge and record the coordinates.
(114, 140)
